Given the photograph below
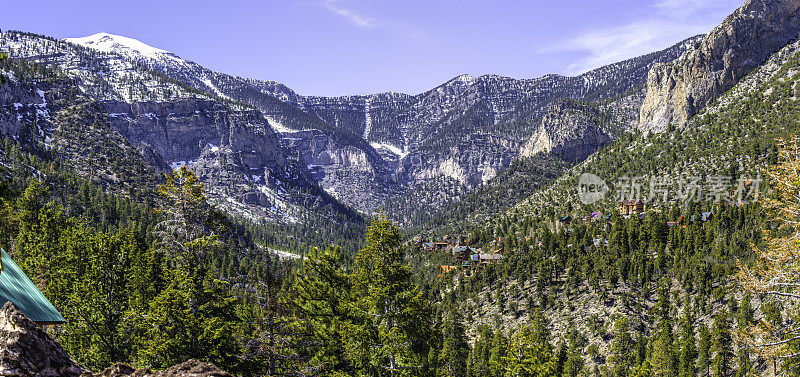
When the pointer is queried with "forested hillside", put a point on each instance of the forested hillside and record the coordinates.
(637, 220)
(652, 292)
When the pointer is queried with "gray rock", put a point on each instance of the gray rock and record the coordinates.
(27, 350)
(569, 130)
(191, 368)
(678, 89)
(235, 153)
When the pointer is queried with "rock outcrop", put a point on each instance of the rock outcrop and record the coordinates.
(569, 130)
(678, 90)
(27, 350)
(191, 368)
(235, 152)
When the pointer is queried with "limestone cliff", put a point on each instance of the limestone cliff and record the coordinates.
(678, 89)
(235, 152)
(569, 130)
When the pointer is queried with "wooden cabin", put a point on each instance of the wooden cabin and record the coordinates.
(445, 269)
(462, 253)
(631, 207)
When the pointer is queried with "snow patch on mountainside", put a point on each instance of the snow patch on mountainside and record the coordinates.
(130, 47)
(277, 126)
(391, 148)
(214, 88)
(367, 120)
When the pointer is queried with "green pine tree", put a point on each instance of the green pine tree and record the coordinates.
(722, 345)
(452, 359)
(688, 351)
(529, 351)
(321, 296)
(392, 323)
(704, 351)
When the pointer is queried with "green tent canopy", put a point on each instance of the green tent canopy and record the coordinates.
(17, 288)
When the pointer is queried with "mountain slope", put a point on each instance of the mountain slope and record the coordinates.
(365, 149)
(734, 138)
(678, 90)
(160, 122)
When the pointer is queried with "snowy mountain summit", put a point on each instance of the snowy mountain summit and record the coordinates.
(125, 46)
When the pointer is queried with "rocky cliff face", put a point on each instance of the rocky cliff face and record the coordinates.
(26, 350)
(363, 148)
(236, 153)
(357, 176)
(471, 161)
(49, 114)
(471, 128)
(125, 125)
(569, 130)
(678, 89)
(24, 109)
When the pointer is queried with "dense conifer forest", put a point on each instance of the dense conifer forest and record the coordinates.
(517, 277)
(158, 281)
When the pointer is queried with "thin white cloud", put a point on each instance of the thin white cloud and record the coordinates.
(671, 21)
(360, 20)
(351, 16)
(627, 41)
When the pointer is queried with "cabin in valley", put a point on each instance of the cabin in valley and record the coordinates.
(462, 253)
(445, 269)
(631, 207)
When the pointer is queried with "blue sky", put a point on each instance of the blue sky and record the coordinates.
(340, 47)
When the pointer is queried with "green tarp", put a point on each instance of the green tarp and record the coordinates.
(17, 288)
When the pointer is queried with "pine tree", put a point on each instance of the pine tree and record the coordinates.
(99, 302)
(321, 296)
(704, 351)
(478, 362)
(392, 327)
(688, 351)
(452, 359)
(194, 316)
(530, 352)
(622, 347)
(573, 365)
(722, 346)
(664, 357)
(268, 331)
(497, 354)
(744, 319)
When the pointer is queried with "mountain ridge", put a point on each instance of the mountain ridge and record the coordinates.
(364, 150)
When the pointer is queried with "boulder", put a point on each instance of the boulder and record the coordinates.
(27, 350)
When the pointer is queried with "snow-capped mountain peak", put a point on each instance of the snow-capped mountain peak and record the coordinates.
(129, 47)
